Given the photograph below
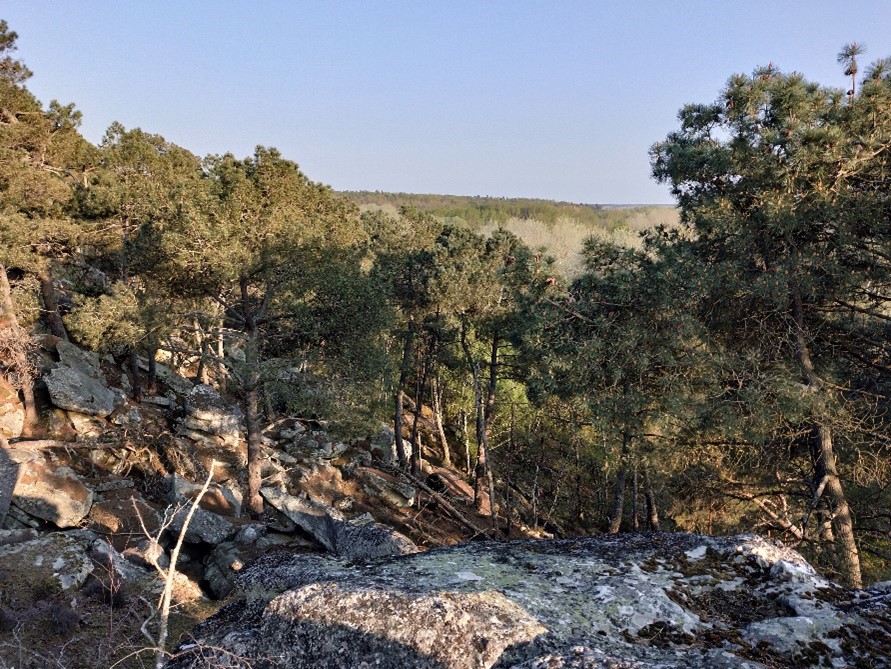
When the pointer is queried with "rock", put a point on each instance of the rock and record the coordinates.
(158, 400)
(56, 558)
(86, 426)
(9, 476)
(224, 563)
(147, 554)
(58, 496)
(124, 517)
(12, 411)
(205, 527)
(176, 383)
(113, 563)
(356, 542)
(78, 384)
(643, 601)
(387, 487)
(207, 412)
(219, 499)
(8, 537)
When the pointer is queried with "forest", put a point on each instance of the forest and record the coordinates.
(726, 373)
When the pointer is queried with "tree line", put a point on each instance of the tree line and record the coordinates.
(729, 374)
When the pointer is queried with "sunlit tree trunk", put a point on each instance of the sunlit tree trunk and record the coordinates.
(843, 524)
(618, 506)
(19, 352)
(51, 304)
(436, 393)
(251, 402)
(399, 400)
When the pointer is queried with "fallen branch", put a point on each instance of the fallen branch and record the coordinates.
(440, 499)
(41, 444)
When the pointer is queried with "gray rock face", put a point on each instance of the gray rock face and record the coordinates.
(78, 384)
(628, 601)
(354, 541)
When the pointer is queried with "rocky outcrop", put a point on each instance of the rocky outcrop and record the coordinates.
(357, 540)
(630, 601)
(78, 384)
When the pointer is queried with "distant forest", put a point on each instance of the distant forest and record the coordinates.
(480, 211)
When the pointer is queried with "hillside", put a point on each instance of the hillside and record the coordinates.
(561, 227)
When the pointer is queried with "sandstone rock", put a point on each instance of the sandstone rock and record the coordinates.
(667, 601)
(12, 411)
(58, 496)
(78, 384)
(356, 542)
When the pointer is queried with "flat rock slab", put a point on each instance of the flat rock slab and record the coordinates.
(667, 601)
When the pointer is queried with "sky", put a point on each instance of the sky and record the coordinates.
(559, 100)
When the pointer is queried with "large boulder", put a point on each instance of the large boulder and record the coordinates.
(670, 601)
(56, 495)
(78, 384)
(355, 540)
(12, 411)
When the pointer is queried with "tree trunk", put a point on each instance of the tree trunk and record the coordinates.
(20, 363)
(252, 403)
(466, 442)
(152, 380)
(652, 509)
(843, 524)
(490, 413)
(635, 518)
(222, 372)
(400, 395)
(51, 305)
(417, 456)
(480, 423)
(133, 359)
(437, 417)
(618, 506)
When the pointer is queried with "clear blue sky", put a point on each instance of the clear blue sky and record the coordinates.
(555, 99)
